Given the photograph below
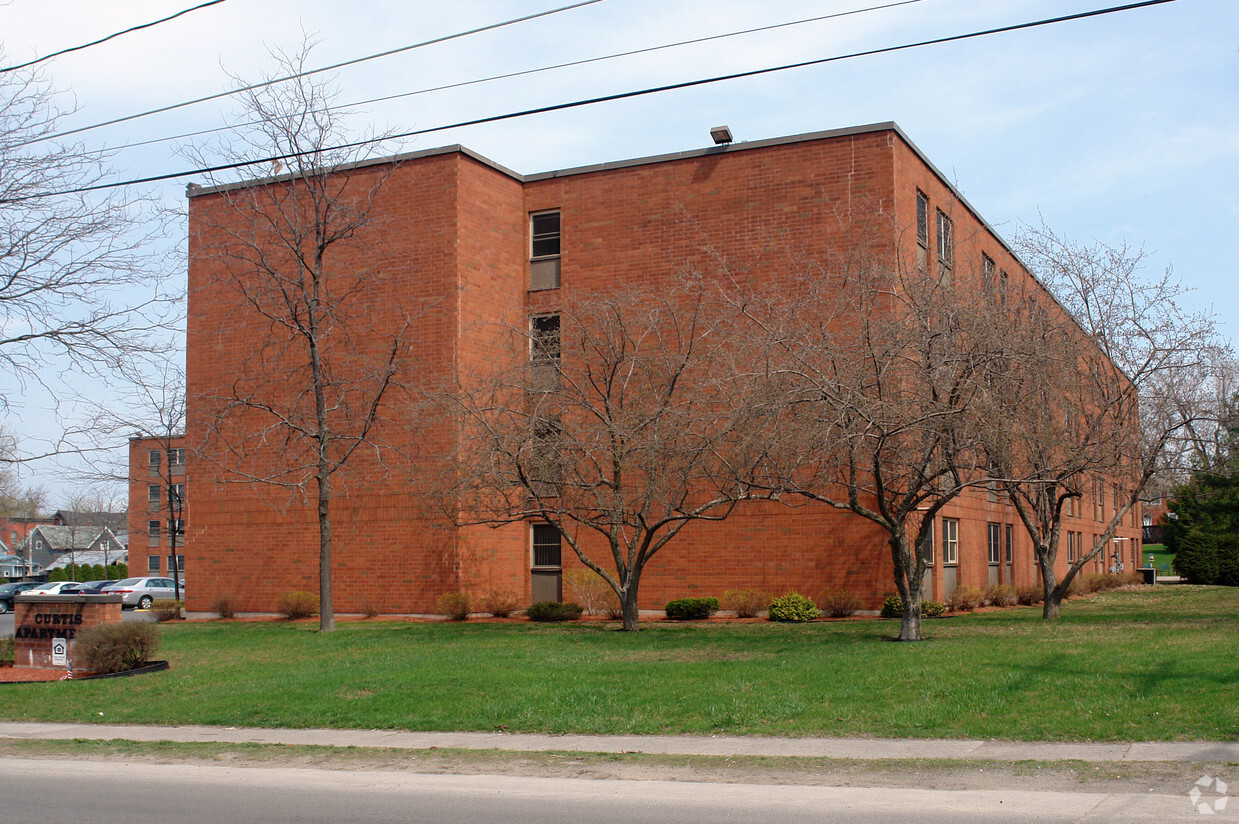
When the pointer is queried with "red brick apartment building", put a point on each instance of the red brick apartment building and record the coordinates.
(158, 505)
(462, 235)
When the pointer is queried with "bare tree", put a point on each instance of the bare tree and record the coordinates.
(152, 409)
(77, 287)
(287, 256)
(1100, 398)
(16, 500)
(873, 372)
(619, 419)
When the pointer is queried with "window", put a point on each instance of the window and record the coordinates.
(1071, 547)
(547, 547)
(544, 339)
(544, 250)
(1002, 287)
(946, 247)
(927, 545)
(176, 457)
(177, 495)
(995, 548)
(544, 234)
(180, 567)
(152, 563)
(152, 529)
(987, 275)
(152, 495)
(545, 467)
(1010, 535)
(154, 458)
(922, 229)
(950, 541)
(176, 526)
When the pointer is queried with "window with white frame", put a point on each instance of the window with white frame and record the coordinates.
(544, 246)
(1071, 547)
(547, 546)
(180, 566)
(152, 563)
(176, 526)
(154, 458)
(177, 495)
(995, 543)
(152, 495)
(1010, 536)
(544, 340)
(927, 545)
(176, 457)
(950, 541)
(946, 247)
(152, 529)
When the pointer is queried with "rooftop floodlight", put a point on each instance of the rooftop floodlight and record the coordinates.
(721, 135)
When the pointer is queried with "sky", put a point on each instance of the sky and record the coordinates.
(1120, 128)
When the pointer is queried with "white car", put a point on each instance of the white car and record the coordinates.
(142, 592)
(57, 588)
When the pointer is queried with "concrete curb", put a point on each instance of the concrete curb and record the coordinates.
(850, 748)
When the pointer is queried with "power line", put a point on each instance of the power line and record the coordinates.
(526, 72)
(601, 99)
(309, 72)
(112, 36)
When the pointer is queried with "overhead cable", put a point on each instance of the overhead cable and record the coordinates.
(601, 99)
(112, 36)
(525, 72)
(308, 72)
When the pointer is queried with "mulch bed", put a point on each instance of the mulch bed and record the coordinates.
(10, 674)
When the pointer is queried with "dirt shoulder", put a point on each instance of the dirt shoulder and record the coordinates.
(1061, 776)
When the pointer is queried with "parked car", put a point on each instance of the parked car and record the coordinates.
(142, 592)
(57, 588)
(95, 587)
(7, 591)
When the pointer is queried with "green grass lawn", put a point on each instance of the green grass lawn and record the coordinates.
(1155, 664)
(1162, 559)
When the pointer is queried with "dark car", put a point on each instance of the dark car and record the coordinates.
(95, 587)
(7, 591)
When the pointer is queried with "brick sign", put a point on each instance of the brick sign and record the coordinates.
(42, 620)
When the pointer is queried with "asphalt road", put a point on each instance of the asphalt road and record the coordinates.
(114, 792)
(7, 624)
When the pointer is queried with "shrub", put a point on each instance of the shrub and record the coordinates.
(369, 609)
(455, 605)
(7, 652)
(892, 607)
(840, 603)
(297, 604)
(116, 572)
(1076, 588)
(965, 599)
(1029, 594)
(691, 609)
(746, 603)
(225, 605)
(1000, 595)
(500, 604)
(167, 609)
(592, 592)
(933, 609)
(554, 611)
(793, 608)
(115, 647)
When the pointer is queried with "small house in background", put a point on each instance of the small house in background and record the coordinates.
(52, 547)
(10, 565)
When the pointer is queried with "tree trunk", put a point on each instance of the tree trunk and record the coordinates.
(909, 585)
(326, 612)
